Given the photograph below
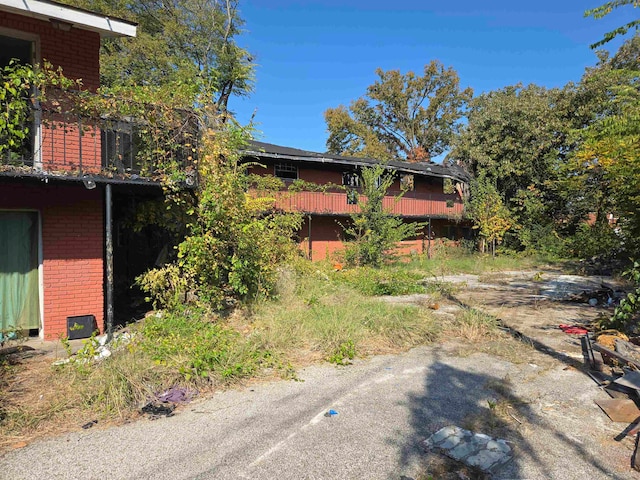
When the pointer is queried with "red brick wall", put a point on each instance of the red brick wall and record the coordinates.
(72, 240)
(326, 234)
(78, 53)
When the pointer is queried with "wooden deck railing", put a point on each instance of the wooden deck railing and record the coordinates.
(418, 205)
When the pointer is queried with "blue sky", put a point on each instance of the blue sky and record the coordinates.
(312, 55)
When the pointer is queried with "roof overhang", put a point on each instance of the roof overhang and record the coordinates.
(76, 17)
(406, 167)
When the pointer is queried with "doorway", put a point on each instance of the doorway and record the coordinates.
(19, 278)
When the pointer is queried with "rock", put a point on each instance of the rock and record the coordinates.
(473, 449)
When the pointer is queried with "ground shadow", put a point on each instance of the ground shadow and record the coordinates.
(466, 397)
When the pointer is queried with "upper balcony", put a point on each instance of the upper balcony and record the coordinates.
(419, 205)
(71, 134)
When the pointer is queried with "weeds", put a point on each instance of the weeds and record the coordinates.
(375, 282)
(473, 325)
(318, 315)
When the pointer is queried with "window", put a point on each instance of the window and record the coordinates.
(378, 182)
(350, 179)
(117, 147)
(287, 171)
(407, 182)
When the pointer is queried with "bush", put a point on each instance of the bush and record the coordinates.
(234, 243)
(375, 232)
(594, 240)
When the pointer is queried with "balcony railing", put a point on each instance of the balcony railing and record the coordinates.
(419, 205)
(75, 133)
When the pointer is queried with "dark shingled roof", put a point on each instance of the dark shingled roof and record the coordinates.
(269, 150)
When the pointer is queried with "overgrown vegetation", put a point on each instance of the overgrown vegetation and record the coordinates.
(234, 242)
(374, 232)
(561, 159)
(316, 314)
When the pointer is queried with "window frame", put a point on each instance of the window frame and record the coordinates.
(286, 167)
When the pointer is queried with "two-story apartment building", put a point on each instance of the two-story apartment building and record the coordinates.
(65, 189)
(326, 212)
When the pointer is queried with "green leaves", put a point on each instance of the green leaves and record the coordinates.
(401, 116)
(485, 207)
(235, 243)
(188, 42)
(604, 10)
(375, 232)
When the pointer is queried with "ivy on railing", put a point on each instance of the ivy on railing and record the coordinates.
(22, 88)
(162, 129)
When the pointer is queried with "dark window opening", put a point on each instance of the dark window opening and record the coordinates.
(351, 179)
(287, 171)
(21, 51)
(117, 148)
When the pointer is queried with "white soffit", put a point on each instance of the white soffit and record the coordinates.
(82, 19)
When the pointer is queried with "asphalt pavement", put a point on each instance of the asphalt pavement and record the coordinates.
(385, 407)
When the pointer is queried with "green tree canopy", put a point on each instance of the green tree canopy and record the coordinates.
(183, 42)
(403, 116)
(607, 160)
(490, 215)
(517, 137)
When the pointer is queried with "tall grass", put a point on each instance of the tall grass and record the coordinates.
(320, 315)
(324, 312)
(458, 261)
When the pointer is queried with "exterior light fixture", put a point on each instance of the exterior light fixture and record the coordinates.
(89, 182)
(60, 25)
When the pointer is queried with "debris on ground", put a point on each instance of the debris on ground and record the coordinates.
(605, 296)
(331, 413)
(573, 329)
(619, 409)
(473, 449)
(101, 350)
(607, 338)
(176, 395)
(90, 424)
(156, 410)
(15, 349)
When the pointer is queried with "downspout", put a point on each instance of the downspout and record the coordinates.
(309, 235)
(109, 260)
(429, 241)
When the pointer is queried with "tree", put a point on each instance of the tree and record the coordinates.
(235, 243)
(516, 137)
(606, 9)
(374, 231)
(183, 42)
(486, 209)
(401, 116)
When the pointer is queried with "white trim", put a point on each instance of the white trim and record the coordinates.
(40, 275)
(83, 19)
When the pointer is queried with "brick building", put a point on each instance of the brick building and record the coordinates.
(326, 212)
(66, 189)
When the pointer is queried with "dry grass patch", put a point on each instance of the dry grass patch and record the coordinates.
(36, 401)
(504, 415)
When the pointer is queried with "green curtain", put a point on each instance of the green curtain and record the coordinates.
(19, 298)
